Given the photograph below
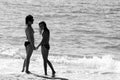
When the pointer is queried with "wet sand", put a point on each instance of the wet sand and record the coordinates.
(11, 70)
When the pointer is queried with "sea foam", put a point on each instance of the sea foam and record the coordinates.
(8, 50)
(102, 64)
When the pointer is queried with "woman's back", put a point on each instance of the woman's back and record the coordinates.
(45, 35)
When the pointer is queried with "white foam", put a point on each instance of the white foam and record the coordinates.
(108, 64)
(8, 50)
(102, 64)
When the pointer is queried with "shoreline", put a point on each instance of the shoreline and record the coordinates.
(11, 69)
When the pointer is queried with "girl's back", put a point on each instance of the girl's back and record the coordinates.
(45, 35)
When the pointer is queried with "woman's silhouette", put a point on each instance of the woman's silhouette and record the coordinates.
(29, 44)
(45, 46)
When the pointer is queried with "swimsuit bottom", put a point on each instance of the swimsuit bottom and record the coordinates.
(47, 46)
(26, 43)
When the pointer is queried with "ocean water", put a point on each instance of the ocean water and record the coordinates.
(80, 29)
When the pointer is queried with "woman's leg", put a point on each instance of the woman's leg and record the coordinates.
(51, 66)
(45, 66)
(29, 53)
(44, 55)
(45, 58)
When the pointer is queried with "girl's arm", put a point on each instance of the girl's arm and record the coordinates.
(44, 39)
(42, 42)
(38, 46)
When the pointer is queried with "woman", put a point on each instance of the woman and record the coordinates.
(45, 46)
(29, 44)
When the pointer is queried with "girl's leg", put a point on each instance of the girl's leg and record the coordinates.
(45, 58)
(29, 50)
(45, 66)
(51, 66)
(44, 55)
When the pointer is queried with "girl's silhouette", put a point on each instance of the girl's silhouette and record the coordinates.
(45, 46)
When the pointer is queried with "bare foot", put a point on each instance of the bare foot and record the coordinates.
(45, 73)
(22, 70)
(28, 72)
(53, 74)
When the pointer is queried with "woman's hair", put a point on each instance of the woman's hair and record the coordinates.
(44, 24)
(28, 18)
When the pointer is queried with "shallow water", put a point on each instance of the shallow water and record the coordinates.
(84, 34)
(77, 27)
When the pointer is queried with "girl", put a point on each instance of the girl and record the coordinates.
(45, 46)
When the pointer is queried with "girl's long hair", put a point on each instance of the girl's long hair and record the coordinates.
(44, 24)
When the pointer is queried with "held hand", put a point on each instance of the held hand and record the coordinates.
(37, 47)
(34, 48)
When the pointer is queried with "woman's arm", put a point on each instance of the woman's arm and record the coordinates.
(42, 42)
(38, 46)
(45, 39)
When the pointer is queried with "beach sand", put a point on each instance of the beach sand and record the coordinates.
(10, 69)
